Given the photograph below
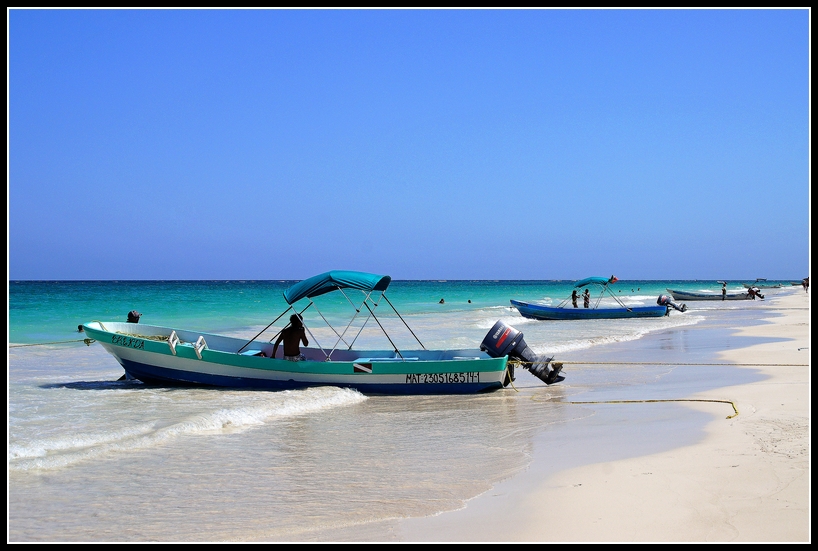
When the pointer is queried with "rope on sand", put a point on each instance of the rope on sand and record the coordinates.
(652, 401)
(88, 342)
(735, 409)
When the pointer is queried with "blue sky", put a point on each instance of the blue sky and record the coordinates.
(422, 144)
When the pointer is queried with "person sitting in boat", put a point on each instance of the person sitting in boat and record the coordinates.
(292, 335)
(574, 298)
(586, 298)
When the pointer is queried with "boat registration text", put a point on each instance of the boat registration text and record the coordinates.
(447, 378)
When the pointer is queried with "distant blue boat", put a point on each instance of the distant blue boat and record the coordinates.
(539, 312)
(574, 311)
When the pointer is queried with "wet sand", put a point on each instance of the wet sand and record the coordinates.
(746, 479)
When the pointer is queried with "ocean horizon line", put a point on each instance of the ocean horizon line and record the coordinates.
(425, 280)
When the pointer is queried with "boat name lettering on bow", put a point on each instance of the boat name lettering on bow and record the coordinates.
(438, 378)
(122, 340)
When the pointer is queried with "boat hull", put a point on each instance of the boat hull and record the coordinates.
(539, 312)
(684, 295)
(145, 353)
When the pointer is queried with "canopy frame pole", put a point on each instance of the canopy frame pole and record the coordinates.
(265, 329)
(340, 336)
(349, 300)
(307, 329)
(617, 299)
(383, 294)
(395, 348)
(344, 332)
(361, 330)
(599, 299)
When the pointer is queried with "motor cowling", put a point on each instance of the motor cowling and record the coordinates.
(665, 300)
(504, 340)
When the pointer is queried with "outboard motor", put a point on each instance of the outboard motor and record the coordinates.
(665, 300)
(504, 340)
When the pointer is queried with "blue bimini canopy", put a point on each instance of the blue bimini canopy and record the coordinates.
(334, 280)
(597, 280)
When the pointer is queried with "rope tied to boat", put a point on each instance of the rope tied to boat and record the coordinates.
(675, 363)
(88, 342)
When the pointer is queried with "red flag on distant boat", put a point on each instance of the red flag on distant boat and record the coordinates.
(613, 279)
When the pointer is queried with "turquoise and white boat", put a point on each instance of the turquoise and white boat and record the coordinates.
(590, 309)
(172, 356)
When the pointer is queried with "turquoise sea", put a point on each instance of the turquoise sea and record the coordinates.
(92, 458)
(46, 311)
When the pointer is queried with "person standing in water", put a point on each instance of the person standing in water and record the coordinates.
(723, 290)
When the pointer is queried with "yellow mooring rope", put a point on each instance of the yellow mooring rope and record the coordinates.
(735, 409)
(732, 404)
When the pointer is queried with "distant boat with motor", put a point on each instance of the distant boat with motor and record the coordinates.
(594, 311)
(760, 283)
(170, 356)
(688, 295)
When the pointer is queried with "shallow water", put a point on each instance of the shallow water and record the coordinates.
(91, 458)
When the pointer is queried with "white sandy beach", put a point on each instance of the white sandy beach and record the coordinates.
(748, 480)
